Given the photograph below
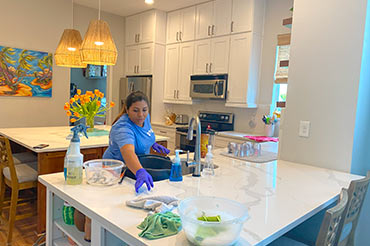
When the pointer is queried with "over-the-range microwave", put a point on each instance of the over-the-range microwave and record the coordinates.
(208, 86)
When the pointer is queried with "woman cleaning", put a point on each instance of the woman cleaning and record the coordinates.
(131, 135)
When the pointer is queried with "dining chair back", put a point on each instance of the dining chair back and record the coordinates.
(356, 196)
(329, 230)
(16, 177)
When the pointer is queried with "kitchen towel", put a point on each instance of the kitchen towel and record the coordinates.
(158, 204)
(262, 138)
(160, 225)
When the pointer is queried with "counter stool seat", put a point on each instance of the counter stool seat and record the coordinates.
(24, 157)
(25, 173)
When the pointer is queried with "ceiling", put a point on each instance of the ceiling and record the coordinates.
(129, 7)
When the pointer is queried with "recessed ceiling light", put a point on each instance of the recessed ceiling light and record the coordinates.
(149, 1)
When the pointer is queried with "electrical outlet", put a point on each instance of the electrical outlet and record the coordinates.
(304, 129)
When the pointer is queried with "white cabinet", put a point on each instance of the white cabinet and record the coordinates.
(179, 67)
(244, 64)
(212, 55)
(145, 27)
(242, 16)
(213, 19)
(139, 59)
(166, 131)
(181, 25)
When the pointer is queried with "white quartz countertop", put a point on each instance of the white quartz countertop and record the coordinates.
(55, 137)
(279, 195)
(236, 135)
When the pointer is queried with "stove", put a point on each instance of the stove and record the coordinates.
(210, 121)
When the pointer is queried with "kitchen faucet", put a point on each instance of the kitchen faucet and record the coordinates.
(196, 161)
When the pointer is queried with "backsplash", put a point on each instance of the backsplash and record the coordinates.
(247, 120)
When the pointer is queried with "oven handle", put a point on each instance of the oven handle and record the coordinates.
(215, 89)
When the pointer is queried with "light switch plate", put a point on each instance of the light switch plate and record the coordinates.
(304, 129)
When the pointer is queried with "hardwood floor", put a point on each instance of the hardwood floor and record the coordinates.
(25, 231)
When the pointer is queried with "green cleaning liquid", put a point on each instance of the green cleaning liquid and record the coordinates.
(74, 175)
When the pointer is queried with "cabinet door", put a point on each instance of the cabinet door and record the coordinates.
(173, 26)
(132, 29)
(171, 74)
(204, 20)
(242, 12)
(202, 56)
(147, 25)
(188, 24)
(132, 59)
(185, 70)
(221, 18)
(145, 59)
(240, 52)
(219, 55)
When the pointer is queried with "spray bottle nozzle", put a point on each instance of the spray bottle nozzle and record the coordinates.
(77, 129)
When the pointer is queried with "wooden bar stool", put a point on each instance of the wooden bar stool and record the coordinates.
(16, 177)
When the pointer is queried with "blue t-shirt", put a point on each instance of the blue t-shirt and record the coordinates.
(123, 132)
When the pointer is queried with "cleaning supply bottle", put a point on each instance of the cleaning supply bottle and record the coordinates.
(74, 158)
(65, 163)
(209, 168)
(176, 173)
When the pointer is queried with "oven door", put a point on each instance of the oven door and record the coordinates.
(183, 143)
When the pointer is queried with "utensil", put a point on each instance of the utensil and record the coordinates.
(122, 175)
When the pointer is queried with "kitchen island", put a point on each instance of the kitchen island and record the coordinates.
(51, 158)
(279, 196)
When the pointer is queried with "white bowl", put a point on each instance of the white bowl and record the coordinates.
(103, 171)
(226, 232)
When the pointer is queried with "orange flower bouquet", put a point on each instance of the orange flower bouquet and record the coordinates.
(87, 105)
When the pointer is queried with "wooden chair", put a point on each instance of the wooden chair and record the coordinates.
(17, 177)
(356, 196)
(329, 230)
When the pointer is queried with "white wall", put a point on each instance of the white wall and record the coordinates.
(324, 75)
(35, 25)
(38, 25)
(249, 120)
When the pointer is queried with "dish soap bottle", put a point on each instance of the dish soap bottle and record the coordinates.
(209, 168)
(74, 158)
(176, 172)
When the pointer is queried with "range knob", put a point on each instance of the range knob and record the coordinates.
(226, 118)
(222, 117)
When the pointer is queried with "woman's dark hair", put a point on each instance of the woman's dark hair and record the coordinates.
(136, 96)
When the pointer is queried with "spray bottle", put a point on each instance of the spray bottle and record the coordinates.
(176, 172)
(74, 158)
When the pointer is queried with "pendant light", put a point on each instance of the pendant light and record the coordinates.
(67, 53)
(98, 47)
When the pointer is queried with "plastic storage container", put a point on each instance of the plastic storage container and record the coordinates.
(226, 232)
(103, 171)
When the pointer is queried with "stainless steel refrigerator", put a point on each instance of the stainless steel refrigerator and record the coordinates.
(135, 83)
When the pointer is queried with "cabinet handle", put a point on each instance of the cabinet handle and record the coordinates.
(163, 132)
(135, 69)
(213, 30)
(232, 26)
(180, 36)
(174, 93)
(206, 67)
(136, 38)
(209, 30)
(177, 96)
(177, 36)
(210, 67)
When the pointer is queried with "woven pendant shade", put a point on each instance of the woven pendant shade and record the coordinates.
(98, 47)
(68, 52)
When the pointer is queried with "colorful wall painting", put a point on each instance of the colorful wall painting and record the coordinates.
(25, 72)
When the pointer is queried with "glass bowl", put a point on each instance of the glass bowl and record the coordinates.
(226, 232)
(103, 171)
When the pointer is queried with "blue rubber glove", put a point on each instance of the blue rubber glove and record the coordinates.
(142, 176)
(160, 149)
